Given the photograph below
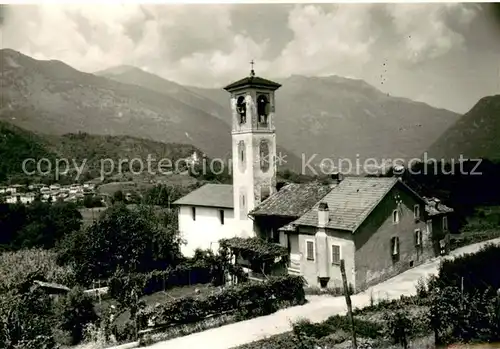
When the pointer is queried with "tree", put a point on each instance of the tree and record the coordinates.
(47, 224)
(134, 240)
(25, 317)
(36, 225)
(118, 196)
(90, 201)
(74, 312)
(165, 195)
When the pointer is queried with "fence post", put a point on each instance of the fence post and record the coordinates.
(349, 304)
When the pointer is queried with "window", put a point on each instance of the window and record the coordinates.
(418, 237)
(395, 217)
(310, 250)
(395, 246)
(241, 107)
(445, 223)
(335, 254)
(416, 211)
(193, 213)
(221, 216)
(429, 226)
(262, 109)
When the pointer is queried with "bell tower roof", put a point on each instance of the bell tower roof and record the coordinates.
(253, 81)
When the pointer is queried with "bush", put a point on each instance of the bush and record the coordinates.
(73, 312)
(25, 317)
(398, 327)
(475, 270)
(155, 281)
(365, 329)
(467, 317)
(39, 264)
(421, 288)
(124, 332)
(249, 299)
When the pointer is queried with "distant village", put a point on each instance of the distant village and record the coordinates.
(28, 193)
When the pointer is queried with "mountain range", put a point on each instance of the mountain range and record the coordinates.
(317, 117)
(89, 152)
(475, 135)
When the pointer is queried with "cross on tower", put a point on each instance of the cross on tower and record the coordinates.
(252, 72)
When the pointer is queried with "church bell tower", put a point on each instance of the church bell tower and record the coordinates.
(253, 146)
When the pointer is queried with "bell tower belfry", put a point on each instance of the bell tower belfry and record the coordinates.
(253, 146)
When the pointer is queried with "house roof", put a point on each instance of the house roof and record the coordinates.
(210, 195)
(253, 81)
(350, 202)
(434, 207)
(293, 200)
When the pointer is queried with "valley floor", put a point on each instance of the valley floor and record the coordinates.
(318, 308)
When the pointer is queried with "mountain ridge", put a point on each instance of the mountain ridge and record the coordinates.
(319, 117)
(475, 135)
(82, 149)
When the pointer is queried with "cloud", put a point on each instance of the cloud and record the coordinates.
(210, 45)
(425, 31)
(326, 40)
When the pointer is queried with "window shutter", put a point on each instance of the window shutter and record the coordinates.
(310, 250)
(395, 246)
(418, 237)
(335, 254)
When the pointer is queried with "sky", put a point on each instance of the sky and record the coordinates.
(444, 54)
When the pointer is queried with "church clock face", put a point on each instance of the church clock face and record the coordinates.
(264, 156)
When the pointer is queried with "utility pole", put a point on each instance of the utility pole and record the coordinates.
(349, 304)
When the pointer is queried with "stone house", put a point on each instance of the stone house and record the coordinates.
(379, 226)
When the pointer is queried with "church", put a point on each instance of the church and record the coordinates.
(379, 226)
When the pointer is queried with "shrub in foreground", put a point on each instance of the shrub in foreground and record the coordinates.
(247, 299)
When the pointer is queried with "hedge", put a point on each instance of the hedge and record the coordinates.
(478, 270)
(248, 300)
(469, 238)
(159, 280)
(364, 329)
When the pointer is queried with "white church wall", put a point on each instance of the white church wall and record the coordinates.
(206, 230)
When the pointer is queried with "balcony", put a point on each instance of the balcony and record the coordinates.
(263, 126)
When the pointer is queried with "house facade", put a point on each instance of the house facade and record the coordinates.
(379, 226)
(206, 215)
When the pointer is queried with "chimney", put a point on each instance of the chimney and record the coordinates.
(323, 214)
(322, 267)
(398, 171)
(280, 185)
(338, 177)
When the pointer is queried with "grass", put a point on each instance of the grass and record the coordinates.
(484, 218)
(89, 215)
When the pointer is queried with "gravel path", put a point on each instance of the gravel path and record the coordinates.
(319, 308)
